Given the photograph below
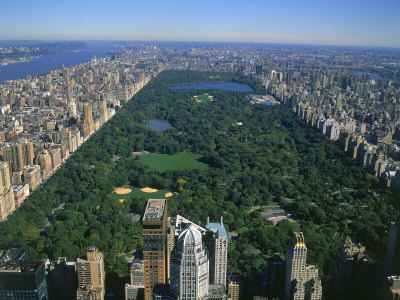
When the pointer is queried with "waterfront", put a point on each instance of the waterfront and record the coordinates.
(44, 64)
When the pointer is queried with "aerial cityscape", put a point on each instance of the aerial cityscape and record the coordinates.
(223, 150)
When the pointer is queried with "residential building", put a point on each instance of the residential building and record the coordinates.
(217, 245)
(91, 276)
(301, 282)
(189, 266)
(155, 246)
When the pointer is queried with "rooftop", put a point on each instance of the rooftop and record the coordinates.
(217, 227)
(21, 266)
(182, 223)
(154, 210)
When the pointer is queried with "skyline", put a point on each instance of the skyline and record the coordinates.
(358, 23)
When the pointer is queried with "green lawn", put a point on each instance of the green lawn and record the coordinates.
(204, 98)
(137, 193)
(179, 161)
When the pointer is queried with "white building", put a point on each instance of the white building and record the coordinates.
(189, 266)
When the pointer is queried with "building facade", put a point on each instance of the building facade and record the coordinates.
(155, 247)
(134, 290)
(91, 276)
(217, 245)
(392, 258)
(189, 267)
(301, 282)
(7, 203)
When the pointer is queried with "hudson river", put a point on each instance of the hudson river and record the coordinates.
(44, 64)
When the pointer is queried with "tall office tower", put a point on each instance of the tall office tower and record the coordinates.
(234, 286)
(217, 245)
(392, 258)
(154, 246)
(135, 289)
(91, 275)
(391, 288)
(20, 279)
(301, 281)
(189, 267)
(7, 204)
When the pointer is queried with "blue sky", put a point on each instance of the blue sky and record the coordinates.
(339, 22)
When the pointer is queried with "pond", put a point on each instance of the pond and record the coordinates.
(159, 126)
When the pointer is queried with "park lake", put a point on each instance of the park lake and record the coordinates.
(159, 126)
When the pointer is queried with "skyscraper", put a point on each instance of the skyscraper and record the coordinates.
(91, 275)
(392, 258)
(7, 204)
(189, 266)
(217, 245)
(88, 117)
(19, 154)
(301, 281)
(21, 279)
(154, 246)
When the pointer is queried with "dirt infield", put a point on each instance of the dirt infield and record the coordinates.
(140, 153)
(122, 191)
(169, 194)
(148, 190)
(122, 200)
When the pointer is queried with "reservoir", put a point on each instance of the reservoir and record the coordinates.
(159, 126)
(224, 86)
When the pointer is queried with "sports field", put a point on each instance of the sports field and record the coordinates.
(204, 98)
(179, 161)
(128, 191)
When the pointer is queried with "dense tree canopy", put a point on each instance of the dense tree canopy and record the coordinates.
(271, 157)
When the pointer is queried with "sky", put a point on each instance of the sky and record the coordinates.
(331, 22)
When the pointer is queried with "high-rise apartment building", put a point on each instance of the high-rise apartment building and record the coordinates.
(88, 117)
(345, 271)
(155, 246)
(189, 266)
(7, 204)
(19, 154)
(134, 290)
(91, 275)
(392, 258)
(301, 281)
(217, 246)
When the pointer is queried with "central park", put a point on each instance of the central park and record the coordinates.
(222, 156)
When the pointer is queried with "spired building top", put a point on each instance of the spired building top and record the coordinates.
(302, 282)
(189, 267)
